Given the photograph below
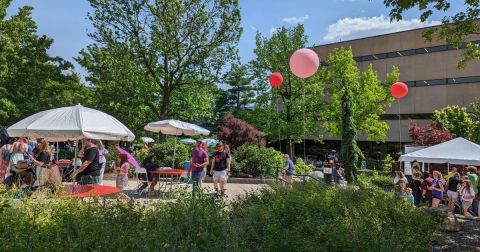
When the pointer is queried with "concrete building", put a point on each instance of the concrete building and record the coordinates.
(428, 68)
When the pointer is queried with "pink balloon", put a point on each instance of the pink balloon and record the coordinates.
(304, 63)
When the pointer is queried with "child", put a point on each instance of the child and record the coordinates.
(400, 189)
(122, 168)
(409, 197)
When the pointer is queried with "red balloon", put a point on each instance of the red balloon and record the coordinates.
(275, 79)
(399, 90)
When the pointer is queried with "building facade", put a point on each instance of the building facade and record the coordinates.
(428, 68)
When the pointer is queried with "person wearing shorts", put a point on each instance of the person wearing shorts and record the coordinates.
(198, 160)
(468, 194)
(220, 168)
(452, 190)
(437, 189)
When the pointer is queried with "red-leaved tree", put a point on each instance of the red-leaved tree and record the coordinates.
(429, 134)
(237, 132)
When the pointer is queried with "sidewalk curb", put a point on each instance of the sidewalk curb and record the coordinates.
(266, 181)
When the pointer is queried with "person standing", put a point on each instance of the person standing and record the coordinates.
(417, 188)
(102, 151)
(426, 189)
(437, 188)
(399, 176)
(198, 161)
(467, 197)
(452, 191)
(220, 168)
(89, 172)
(473, 177)
(122, 168)
(5, 154)
(287, 171)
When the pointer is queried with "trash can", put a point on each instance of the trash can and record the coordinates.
(186, 165)
(327, 174)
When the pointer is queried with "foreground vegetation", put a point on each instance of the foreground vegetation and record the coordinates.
(310, 217)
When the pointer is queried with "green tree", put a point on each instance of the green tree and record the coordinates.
(240, 94)
(160, 59)
(355, 102)
(30, 79)
(454, 119)
(455, 29)
(293, 110)
(370, 95)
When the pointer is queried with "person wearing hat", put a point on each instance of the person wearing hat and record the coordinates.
(287, 171)
(20, 175)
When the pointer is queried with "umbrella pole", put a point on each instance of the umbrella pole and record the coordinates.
(174, 150)
(75, 160)
(56, 152)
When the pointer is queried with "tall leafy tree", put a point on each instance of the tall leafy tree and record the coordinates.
(455, 29)
(458, 121)
(240, 93)
(355, 101)
(160, 59)
(31, 80)
(292, 110)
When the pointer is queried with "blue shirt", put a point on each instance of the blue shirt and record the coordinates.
(290, 167)
(29, 150)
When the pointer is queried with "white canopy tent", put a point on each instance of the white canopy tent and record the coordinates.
(457, 151)
(176, 128)
(71, 123)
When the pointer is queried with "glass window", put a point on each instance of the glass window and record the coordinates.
(440, 48)
(437, 82)
(368, 58)
(358, 58)
(420, 51)
(471, 79)
(407, 52)
(421, 83)
(393, 55)
(410, 83)
(380, 56)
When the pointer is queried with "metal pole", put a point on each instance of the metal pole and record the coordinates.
(75, 159)
(174, 150)
(278, 127)
(399, 127)
(56, 152)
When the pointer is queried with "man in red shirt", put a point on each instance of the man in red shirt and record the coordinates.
(199, 160)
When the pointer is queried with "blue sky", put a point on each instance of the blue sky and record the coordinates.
(325, 21)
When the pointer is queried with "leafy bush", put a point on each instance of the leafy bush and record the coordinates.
(163, 153)
(301, 168)
(65, 154)
(254, 160)
(309, 217)
(237, 132)
(312, 217)
(387, 163)
(141, 154)
(377, 181)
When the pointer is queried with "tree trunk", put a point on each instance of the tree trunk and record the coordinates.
(164, 114)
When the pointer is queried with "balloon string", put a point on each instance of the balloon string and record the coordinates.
(303, 119)
(278, 127)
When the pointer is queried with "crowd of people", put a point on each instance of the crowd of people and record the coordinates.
(30, 164)
(458, 190)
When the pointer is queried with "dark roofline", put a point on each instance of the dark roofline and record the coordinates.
(380, 35)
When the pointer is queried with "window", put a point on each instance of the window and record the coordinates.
(410, 83)
(421, 51)
(368, 58)
(393, 55)
(380, 56)
(437, 82)
(407, 52)
(471, 79)
(440, 48)
(358, 58)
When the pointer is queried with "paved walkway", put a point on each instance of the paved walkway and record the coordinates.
(233, 190)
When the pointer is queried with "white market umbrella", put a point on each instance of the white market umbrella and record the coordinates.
(71, 123)
(176, 128)
(188, 141)
(210, 141)
(147, 139)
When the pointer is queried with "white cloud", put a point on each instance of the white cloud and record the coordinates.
(353, 28)
(295, 20)
(253, 28)
(272, 30)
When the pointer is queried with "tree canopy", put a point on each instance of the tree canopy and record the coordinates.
(455, 29)
(31, 80)
(154, 60)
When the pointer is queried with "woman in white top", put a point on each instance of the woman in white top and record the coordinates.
(399, 176)
(122, 167)
(18, 150)
(101, 158)
(467, 197)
